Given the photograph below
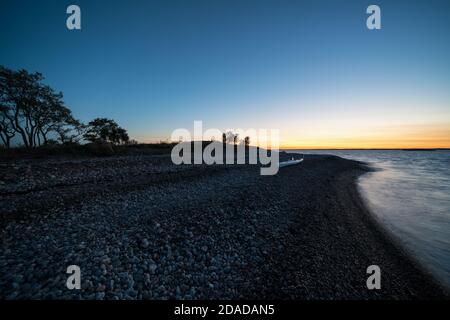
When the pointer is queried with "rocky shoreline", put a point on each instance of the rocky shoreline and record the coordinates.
(140, 227)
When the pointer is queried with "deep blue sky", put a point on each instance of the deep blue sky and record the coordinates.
(305, 67)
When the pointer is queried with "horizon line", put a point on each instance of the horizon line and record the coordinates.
(356, 148)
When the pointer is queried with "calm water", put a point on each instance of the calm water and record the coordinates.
(410, 194)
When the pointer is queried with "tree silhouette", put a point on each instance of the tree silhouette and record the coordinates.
(30, 109)
(236, 138)
(101, 130)
(231, 137)
(247, 141)
(7, 132)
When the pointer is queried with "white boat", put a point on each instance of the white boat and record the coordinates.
(289, 162)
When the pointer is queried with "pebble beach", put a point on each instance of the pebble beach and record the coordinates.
(140, 227)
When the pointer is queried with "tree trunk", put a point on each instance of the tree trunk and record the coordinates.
(4, 139)
(20, 129)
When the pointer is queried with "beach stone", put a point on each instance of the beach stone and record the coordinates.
(140, 227)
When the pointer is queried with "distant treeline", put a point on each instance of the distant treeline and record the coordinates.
(33, 114)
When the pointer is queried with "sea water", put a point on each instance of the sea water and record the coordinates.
(410, 194)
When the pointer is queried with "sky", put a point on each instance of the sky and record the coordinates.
(311, 69)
